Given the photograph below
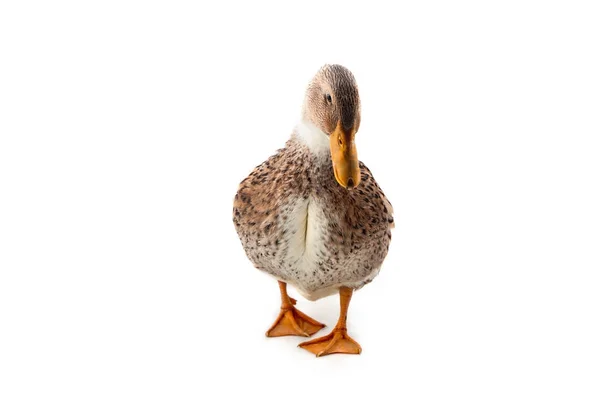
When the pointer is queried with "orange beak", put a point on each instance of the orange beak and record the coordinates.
(344, 157)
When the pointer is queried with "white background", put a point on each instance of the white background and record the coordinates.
(126, 126)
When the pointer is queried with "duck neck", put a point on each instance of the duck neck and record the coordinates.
(315, 140)
(312, 145)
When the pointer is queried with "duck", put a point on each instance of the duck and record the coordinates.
(312, 215)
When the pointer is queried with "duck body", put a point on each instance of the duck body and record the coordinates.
(297, 224)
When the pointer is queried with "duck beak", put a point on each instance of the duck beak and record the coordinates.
(343, 155)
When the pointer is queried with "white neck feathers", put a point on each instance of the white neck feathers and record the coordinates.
(316, 141)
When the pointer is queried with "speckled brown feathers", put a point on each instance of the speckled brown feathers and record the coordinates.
(297, 224)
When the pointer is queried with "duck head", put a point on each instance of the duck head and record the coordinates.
(332, 105)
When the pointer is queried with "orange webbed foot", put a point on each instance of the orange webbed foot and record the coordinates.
(338, 341)
(292, 322)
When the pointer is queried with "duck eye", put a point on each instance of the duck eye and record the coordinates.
(328, 97)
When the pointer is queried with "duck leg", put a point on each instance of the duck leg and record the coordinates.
(338, 340)
(290, 321)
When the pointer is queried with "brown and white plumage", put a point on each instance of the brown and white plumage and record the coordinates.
(312, 215)
(297, 224)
